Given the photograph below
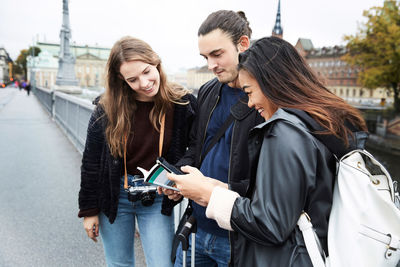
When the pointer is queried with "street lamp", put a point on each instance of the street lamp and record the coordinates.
(33, 80)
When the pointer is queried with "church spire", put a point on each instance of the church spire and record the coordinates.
(277, 30)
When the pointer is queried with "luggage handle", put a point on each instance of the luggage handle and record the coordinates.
(190, 227)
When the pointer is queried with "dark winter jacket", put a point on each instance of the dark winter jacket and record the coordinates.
(101, 172)
(292, 171)
(244, 119)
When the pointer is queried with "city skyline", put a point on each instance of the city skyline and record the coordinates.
(170, 27)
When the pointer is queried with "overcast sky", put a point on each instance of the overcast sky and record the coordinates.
(170, 27)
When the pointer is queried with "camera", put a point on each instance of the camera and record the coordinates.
(141, 191)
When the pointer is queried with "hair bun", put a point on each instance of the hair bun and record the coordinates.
(242, 15)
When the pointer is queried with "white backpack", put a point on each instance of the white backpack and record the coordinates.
(364, 223)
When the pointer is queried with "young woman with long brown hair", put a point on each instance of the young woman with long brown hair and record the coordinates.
(291, 170)
(139, 117)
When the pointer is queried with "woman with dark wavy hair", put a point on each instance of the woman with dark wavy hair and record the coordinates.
(140, 116)
(291, 170)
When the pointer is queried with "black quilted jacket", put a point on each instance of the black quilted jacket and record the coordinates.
(101, 172)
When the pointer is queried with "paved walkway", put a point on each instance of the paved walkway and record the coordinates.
(39, 184)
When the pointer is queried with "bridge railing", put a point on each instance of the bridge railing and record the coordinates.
(72, 114)
(45, 97)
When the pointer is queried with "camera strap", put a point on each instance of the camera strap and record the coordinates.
(160, 147)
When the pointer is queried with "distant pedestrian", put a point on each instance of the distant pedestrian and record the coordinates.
(18, 85)
(139, 117)
(28, 87)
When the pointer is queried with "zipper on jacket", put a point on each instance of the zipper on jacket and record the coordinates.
(230, 151)
(229, 175)
(205, 131)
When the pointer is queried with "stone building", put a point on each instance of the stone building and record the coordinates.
(196, 77)
(179, 78)
(89, 65)
(44, 68)
(5, 61)
(338, 76)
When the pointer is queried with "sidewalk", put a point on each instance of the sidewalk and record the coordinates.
(39, 185)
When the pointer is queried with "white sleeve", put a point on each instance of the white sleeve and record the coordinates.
(220, 206)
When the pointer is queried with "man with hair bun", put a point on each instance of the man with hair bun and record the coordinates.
(221, 38)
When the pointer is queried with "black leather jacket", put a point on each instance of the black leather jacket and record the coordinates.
(291, 171)
(101, 172)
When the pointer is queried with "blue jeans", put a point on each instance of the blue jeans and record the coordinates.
(156, 233)
(211, 250)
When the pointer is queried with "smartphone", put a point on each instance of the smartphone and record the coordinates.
(158, 175)
(168, 166)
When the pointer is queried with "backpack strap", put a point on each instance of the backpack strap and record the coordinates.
(313, 246)
(392, 242)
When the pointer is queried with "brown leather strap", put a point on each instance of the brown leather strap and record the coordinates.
(161, 139)
(126, 173)
(160, 147)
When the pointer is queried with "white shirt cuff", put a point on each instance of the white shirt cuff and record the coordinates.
(220, 206)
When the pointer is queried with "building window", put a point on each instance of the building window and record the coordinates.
(354, 92)
(349, 73)
(347, 92)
